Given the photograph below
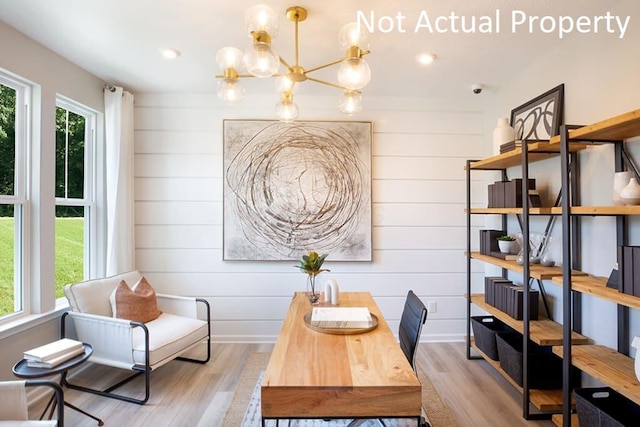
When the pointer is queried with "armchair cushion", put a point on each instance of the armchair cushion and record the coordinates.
(169, 335)
(138, 304)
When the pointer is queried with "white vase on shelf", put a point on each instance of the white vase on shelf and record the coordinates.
(630, 194)
(620, 181)
(502, 134)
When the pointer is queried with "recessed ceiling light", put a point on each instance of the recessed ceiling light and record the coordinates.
(169, 52)
(426, 58)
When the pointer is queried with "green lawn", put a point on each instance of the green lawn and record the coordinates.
(69, 257)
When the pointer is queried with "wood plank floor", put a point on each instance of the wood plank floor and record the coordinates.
(186, 394)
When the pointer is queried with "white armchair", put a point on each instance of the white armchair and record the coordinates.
(135, 346)
(14, 405)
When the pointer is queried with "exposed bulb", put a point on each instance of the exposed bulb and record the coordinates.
(261, 60)
(230, 91)
(354, 73)
(350, 102)
(230, 57)
(353, 34)
(285, 84)
(262, 18)
(287, 110)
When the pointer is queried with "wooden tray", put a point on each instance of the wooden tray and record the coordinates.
(341, 331)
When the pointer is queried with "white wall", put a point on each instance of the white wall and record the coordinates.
(601, 80)
(419, 150)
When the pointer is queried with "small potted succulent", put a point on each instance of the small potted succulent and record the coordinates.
(506, 244)
(311, 264)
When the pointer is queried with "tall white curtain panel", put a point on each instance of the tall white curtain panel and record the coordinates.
(119, 180)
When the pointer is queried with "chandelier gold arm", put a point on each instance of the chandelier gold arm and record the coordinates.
(337, 61)
(237, 76)
(337, 86)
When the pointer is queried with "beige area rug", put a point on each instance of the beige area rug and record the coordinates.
(437, 412)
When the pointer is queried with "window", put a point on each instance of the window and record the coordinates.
(14, 96)
(75, 184)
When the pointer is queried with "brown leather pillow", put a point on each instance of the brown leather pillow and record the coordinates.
(138, 304)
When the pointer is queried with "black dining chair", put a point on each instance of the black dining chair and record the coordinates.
(414, 316)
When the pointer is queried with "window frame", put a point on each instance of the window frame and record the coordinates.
(20, 200)
(88, 201)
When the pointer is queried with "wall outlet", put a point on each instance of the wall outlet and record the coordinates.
(432, 306)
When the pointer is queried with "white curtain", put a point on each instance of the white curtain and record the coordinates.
(118, 118)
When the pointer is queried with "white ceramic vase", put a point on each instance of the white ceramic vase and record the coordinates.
(630, 194)
(502, 134)
(620, 181)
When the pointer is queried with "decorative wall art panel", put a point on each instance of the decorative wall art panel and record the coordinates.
(294, 187)
(540, 118)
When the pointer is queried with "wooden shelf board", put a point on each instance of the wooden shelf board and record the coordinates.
(536, 271)
(544, 400)
(616, 128)
(608, 366)
(537, 151)
(557, 420)
(541, 332)
(517, 211)
(605, 210)
(575, 210)
(597, 286)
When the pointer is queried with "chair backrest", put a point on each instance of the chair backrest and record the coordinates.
(414, 315)
(92, 296)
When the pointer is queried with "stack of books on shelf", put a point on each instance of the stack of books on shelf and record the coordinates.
(341, 317)
(508, 297)
(53, 354)
(510, 146)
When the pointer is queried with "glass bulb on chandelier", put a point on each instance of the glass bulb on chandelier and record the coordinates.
(350, 102)
(353, 34)
(262, 18)
(230, 57)
(285, 84)
(354, 73)
(286, 109)
(230, 91)
(261, 60)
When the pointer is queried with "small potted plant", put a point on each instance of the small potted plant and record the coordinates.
(506, 244)
(311, 264)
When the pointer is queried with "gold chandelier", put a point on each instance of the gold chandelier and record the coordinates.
(261, 60)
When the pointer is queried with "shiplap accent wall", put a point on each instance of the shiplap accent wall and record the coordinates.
(418, 194)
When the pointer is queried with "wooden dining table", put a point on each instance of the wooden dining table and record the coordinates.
(313, 374)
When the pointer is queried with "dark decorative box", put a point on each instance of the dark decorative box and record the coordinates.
(485, 329)
(489, 241)
(545, 368)
(604, 406)
(508, 194)
(513, 192)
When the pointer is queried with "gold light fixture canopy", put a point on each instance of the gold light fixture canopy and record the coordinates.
(261, 60)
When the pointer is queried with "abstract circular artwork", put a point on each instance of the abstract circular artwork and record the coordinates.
(291, 187)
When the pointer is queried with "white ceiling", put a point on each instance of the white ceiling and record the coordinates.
(118, 40)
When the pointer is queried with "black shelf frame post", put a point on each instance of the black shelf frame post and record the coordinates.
(566, 279)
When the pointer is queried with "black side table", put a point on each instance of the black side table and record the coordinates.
(21, 370)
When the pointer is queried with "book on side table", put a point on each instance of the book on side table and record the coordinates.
(52, 354)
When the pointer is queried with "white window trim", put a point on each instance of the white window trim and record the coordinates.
(23, 121)
(90, 183)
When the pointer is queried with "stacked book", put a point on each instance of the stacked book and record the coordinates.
(508, 297)
(341, 317)
(53, 354)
